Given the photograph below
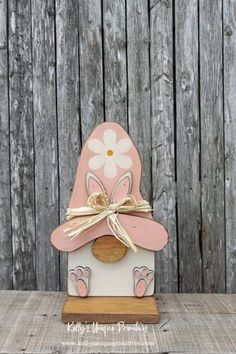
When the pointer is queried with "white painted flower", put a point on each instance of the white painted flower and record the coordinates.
(109, 153)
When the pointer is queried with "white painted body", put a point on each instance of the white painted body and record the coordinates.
(111, 279)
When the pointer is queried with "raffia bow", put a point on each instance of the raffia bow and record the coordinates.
(99, 208)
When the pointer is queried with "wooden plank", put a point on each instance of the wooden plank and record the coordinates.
(115, 78)
(187, 145)
(45, 140)
(189, 323)
(230, 142)
(5, 193)
(212, 146)
(69, 144)
(110, 309)
(91, 65)
(139, 87)
(21, 142)
(163, 155)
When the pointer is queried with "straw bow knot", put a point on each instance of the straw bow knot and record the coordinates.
(99, 208)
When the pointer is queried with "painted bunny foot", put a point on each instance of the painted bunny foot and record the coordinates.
(80, 277)
(142, 278)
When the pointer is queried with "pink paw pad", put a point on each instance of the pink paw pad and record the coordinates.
(142, 278)
(80, 277)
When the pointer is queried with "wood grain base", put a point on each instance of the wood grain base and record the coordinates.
(107, 309)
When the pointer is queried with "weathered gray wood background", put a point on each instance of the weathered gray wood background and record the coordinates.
(165, 70)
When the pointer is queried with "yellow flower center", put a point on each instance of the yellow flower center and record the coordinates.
(109, 152)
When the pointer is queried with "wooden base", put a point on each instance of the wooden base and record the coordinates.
(110, 309)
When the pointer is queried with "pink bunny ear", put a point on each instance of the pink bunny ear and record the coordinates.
(122, 187)
(93, 184)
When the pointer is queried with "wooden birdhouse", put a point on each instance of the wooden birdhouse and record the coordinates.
(110, 235)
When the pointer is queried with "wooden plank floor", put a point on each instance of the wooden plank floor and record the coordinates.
(30, 322)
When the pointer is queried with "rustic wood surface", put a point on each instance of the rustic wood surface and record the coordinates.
(22, 144)
(115, 63)
(163, 137)
(91, 65)
(69, 132)
(230, 141)
(30, 322)
(164, 70)
(139, 118)
(45, 142)
(187, 135)
(212, 146)
(5, 177)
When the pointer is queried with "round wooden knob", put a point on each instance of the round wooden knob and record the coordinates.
(108, 249)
